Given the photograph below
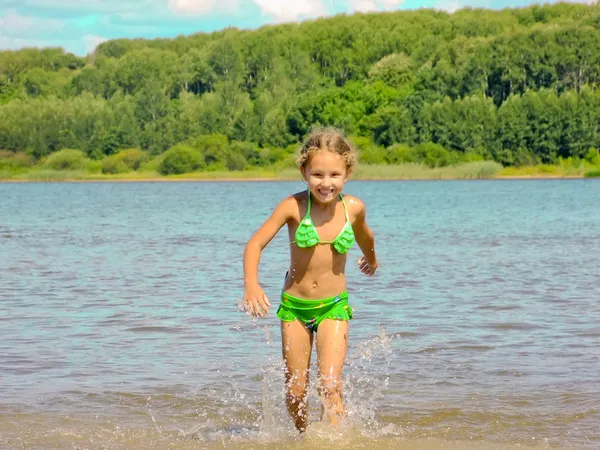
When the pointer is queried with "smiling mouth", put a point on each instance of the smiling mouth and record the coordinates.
(326, 192)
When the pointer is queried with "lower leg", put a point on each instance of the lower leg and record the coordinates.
(297, 347)
(330, 391)
(332, 344)
(296, 400)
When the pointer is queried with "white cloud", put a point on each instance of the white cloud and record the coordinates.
(363, 5)
(279, 10)
(201, 7)
(285, 10)
(450, 6)
(389, 5)
(17, 25)
(7, 43)
(97, 7)
(92, 41)
(374, 5)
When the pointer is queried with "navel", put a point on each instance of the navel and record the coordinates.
(315, 285)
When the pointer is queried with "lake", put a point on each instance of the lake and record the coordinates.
(120, 326)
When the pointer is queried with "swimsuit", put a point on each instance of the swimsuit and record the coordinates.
(307, 236)
(312, 312)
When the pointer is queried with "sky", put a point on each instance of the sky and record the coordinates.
(80, 25)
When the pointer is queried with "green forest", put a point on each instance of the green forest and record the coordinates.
(513, 87)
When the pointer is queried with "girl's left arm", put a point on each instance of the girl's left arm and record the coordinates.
(365, 238)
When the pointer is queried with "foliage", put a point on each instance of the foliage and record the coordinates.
(124, 161)
(519, 86)
(592, 173)
(181, 159)
(66, 159)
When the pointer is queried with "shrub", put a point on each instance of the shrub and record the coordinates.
(14, 161)
(113, 165)
(595, 173)
(249, 150)
(235, 161)
(401, 154)
(66, 159)
(212, 147)
(369, 152)
(181, 159)
(593, 156)
(133, 158)
(434, 155)
(124, 161)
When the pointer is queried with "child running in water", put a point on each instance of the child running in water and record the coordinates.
(322, 225)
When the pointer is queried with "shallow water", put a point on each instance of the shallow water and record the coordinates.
(119, 325)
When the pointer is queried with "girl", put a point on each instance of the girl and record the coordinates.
(322, 224)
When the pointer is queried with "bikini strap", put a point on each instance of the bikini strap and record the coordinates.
(308, 207)
(345, 208)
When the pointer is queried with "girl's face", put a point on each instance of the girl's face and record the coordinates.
(325, 173)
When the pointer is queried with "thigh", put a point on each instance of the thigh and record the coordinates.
(332, 345)
(297, 343)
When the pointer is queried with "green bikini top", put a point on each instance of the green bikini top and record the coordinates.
(307, 236)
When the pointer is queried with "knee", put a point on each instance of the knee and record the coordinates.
(296, 385)
(330, 387)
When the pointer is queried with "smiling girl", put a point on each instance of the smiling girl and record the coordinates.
(323, 224)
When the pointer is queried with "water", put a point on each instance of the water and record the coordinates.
(120, 328)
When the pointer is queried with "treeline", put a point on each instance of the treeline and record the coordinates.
(518, 86)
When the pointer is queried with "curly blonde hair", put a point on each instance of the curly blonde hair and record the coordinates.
(328, 139)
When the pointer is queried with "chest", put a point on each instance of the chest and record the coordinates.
(327, 225)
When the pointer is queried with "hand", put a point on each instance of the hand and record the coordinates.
(256, 302)
(365, 267)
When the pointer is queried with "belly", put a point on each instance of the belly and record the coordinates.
(316, 273)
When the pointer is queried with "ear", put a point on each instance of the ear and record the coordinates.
(303, 172)
(348, 173)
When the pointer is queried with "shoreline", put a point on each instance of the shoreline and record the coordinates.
(271, 179)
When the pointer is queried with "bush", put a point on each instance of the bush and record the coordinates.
(212, 147)
(235, 161)
(369, 152)
(153, 164)
(181, 159)
(11, 161)
(401, 154)
(428, 153)
(593, 156)
(113, 165)
(124, 161)
(434, 155)
(592, 173)
(249, 150)
(93, 166)
(66, 159)
(273, 155)
(133, 158)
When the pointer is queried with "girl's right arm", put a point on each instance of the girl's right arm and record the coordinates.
(255, 299)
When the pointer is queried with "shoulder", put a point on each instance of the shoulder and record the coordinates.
(355, 205)
(290, 205)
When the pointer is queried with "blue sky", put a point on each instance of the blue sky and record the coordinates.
(79, 25)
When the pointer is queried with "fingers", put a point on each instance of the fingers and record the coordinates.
(365, 267)
(263, 303)
(257, 307)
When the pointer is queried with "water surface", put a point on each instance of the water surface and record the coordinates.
(119, 324)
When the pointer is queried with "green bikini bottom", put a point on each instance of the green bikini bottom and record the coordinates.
(312, 312)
